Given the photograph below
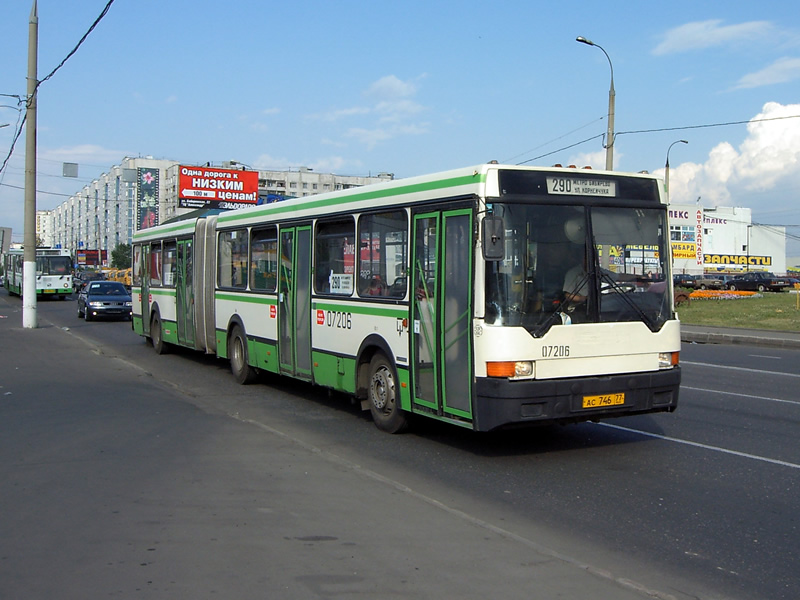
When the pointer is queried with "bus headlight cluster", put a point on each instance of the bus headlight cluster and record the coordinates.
(520, 368)
(667, 360)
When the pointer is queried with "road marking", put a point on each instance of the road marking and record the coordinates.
(700, 364)
(686, 387)
(666, 438)
(764, 356)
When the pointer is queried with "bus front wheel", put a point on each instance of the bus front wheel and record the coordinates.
(384, 397)
(237, 355)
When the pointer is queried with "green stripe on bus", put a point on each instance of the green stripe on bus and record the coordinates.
(252, 298)
(186, 227)
(162, 292)
(363, 309)
(279, 208)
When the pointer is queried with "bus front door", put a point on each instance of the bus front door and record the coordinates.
(294, 302)
(442, 314)
(184, 291)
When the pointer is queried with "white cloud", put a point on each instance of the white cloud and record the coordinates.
(391, 88)
(369, 137)
(267, 162)
(762, 174)
(782, 70)
(392, 113)
(707, 34)
(88, 154)
(341, 113)
(595, 160)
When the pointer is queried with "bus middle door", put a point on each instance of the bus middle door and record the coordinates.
(184, 292)
(294, 302)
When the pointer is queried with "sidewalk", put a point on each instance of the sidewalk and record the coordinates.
(734, 335)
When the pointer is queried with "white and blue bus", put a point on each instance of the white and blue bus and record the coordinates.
(487, 297)
(53, 272)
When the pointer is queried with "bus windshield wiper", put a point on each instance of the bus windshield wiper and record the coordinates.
(605, 277)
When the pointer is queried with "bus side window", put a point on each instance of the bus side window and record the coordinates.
(335, 257)
(264, 259)
(155, 264)
(232, 259)
(382, 260)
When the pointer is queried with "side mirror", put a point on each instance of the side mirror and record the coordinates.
(493, 240)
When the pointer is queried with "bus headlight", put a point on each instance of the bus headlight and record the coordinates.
(667, 360)
(520, 368)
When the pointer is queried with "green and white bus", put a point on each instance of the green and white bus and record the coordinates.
(487, 297)
(53, 272)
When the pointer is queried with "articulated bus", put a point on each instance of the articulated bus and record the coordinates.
(53, 272)
(487, 297)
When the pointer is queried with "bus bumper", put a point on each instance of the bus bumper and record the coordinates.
(502, 403)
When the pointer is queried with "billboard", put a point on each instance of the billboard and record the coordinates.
(92, 258)
(147, 198)
(210, 187)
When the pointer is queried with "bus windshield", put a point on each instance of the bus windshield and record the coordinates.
(53, 265)
(568, 264)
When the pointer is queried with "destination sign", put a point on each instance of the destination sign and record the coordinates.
(572, 186)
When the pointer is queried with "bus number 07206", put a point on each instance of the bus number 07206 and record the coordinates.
(341, 320)
(555, 351)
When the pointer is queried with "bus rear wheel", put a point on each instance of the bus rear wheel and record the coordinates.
(384, 397)
(243, 373)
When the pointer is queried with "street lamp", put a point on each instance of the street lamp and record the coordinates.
(611, 96)
(666, 166)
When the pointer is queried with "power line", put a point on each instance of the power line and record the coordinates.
(706, 126)
(27, 101)
(685, 127)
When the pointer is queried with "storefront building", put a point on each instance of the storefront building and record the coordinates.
(723, 240)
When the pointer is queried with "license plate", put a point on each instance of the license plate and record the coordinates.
(604, 400)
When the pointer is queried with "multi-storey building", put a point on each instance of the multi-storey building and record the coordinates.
(142, 192)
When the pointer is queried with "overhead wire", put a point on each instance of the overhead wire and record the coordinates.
(27, 100)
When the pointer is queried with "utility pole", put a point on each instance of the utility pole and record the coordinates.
(29, 220)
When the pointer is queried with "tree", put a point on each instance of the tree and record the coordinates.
(121, 256)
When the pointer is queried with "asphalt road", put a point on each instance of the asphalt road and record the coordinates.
(218, 490)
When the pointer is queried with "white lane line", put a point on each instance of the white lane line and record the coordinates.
(773, 461)
(764, 356)
(686, 387)
(700, 364)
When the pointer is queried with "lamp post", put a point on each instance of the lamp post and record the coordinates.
(611, 97)
(666, 166)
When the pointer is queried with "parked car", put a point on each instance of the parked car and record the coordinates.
(104, 299)
(758, 282)
(708, 282)
(683, 280)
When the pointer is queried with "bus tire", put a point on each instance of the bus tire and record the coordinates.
(383, 396)
(156, 334)
(243, 373)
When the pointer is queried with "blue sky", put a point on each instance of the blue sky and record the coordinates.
(413, 87)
